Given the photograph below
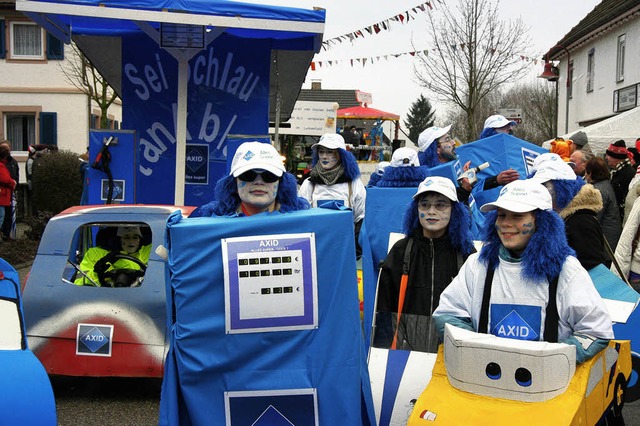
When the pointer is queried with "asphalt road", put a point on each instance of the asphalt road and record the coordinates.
(86, 401)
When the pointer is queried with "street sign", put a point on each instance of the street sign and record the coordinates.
(512, 114)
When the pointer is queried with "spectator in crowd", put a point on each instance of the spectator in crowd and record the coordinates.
(7, 184)
(526, 276)
(619, 161)
(597, 174)
(8, 231)
(627, 252)
(375, 176)
(100, 260)
(580, 142)
(404, 170)
(577, 203)
(257, 183)
(579, 159)
(437, 241)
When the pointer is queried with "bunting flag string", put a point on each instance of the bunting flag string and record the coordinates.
(317, 64)
(384, 25)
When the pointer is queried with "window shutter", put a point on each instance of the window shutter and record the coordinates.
(3, 44)
(55, 48)
(49, 128)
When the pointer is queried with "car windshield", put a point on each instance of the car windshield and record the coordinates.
(109, 255)
(11, 331)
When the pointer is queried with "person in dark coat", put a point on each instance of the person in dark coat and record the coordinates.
(597, 174)
(437, 241)
(577, 203)
(619, 160)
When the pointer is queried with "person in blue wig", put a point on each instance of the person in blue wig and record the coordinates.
(526, 278)
(334, 181)
(436, 243)
(404, 170)
(578, 204)
(257, 183)
(375, 176)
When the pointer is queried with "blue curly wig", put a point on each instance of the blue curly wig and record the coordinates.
(565, 190)
(429, 157)
(348, 161)
(459, 225)
(228, 200)
(546, 252)
(488, 131)
(403, 177)
(373, 179)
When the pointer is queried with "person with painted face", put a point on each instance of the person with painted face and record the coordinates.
(437, 241)
(334, 181)
(257, 183)
(526, 283)
(121, 271)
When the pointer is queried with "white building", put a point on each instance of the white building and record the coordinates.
(37, 103)
(603, 73)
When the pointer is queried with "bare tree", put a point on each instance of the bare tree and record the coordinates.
(537, 101)
(473, 53)
(80, 73)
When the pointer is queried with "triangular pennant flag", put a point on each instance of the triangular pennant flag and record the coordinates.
(429, 4)
(313, 66)
(376, 28)
(352, 62)
(369, 30)
(412, 53)
(364, 61)
(384, 24)
(401, 17)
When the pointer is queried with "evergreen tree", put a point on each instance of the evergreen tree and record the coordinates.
(420, 117)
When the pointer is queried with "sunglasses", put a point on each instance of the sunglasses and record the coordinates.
(251, 175)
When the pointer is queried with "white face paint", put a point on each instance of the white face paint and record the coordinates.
(130, 242)
(328, 158)
(258, 195)
(434, 212)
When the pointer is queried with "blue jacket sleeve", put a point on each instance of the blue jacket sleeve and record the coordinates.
(593, 346)
(443, 319)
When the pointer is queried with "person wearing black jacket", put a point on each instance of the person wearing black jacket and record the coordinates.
(619, 159)
(438, 240)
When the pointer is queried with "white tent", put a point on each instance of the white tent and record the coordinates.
(625, 126)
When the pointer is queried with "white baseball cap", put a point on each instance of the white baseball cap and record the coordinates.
(256, 155)
(521, 196)
(497, 121)
(126, 230)
(550, 166)
(404, 157)
(441, 185)
(331, 141)
(380, 167)
(429, 135)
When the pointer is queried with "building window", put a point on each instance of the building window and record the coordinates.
(570, 81)
(20, 130)
(620, 60)
(591, 64)
(94, 121)
(27, 41)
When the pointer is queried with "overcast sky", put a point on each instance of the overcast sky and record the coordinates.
(391, 81)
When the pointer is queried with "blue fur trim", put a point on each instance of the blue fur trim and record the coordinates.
(459, 225)
(566, 190)
(429, 157)
(487, 131)
(349, 162)
(402, 177)
(373, 180)
(544, 255)
(228, 200)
